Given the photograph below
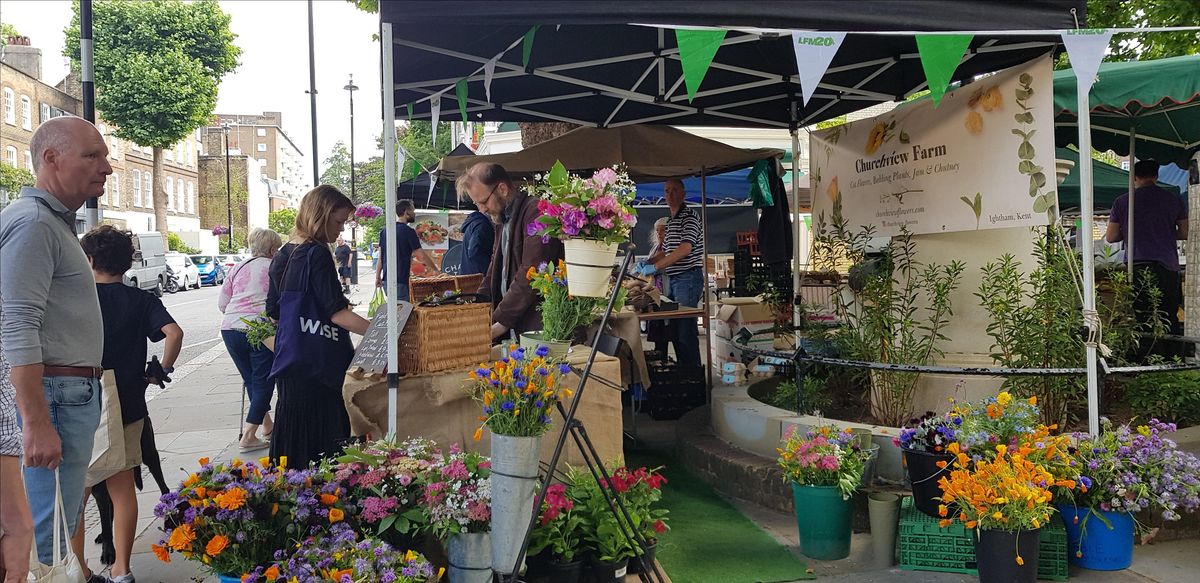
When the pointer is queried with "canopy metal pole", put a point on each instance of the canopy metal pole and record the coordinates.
(704, 278)
(797, 225)
(389, 190)
(1090, 319)
(1129, 213)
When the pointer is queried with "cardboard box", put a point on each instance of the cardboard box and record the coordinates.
(724, 350)
(733, 317)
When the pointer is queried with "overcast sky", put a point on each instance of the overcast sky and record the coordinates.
(273, 75)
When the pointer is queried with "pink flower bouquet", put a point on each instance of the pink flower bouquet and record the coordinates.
(597, 208)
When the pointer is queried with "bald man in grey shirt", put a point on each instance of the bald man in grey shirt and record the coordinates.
(53, 334)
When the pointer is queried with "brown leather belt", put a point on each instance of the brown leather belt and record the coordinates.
(88, 372)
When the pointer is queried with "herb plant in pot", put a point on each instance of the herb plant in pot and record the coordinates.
(923, 443)
(591, 216)
(1124, 470)
(518, 394)
(824, 466)
(562, 312)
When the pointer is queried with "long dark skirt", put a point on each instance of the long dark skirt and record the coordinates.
(310, 422)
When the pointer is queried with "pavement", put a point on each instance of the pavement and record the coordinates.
(199, 414)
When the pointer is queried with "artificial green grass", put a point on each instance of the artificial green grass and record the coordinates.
(710, 541)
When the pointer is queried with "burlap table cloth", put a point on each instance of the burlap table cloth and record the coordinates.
(437, 407)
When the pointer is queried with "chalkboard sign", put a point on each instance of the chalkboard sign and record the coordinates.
(371, 354)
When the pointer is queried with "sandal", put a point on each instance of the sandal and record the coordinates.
(254, 445)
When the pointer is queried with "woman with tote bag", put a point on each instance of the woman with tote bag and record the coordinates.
(312, 342)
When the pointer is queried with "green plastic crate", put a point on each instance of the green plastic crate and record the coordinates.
(924, 546)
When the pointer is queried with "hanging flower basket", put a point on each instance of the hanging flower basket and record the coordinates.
(590, 266)
(367, 211)
(220, 230)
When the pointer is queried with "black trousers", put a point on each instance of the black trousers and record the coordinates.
(1170, 286)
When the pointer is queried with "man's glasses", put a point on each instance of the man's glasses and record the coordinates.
(489, 196)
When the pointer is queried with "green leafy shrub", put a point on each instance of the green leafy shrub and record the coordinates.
(1169, 396)
(175, 243)
(813, 397)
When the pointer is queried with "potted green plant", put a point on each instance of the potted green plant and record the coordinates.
(558, 535)
(562, 312)
(591, 216)
(824, 466)
(606, 540)
(641, 491)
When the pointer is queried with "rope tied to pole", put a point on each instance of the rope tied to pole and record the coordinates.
(1091, 319)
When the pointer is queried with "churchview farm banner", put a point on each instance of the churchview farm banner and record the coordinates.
(982, 159)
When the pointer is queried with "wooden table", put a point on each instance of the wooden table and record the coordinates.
(672, 314)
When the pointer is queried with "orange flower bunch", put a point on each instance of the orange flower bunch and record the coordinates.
(1009, 491)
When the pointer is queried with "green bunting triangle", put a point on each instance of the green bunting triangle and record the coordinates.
(696, 51)
(460, 91)
(410, 112)
(416, 168)
(940, 56)
(527, 46)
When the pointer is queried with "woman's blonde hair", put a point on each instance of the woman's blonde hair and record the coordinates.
(315, 210)
(263, 242)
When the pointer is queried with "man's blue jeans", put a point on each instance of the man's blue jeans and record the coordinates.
(74, 404)
(254, 364)
(686, 288)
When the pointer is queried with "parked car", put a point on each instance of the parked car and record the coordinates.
(211, 272)
(229, 261)
(149, 263)
(186, 274)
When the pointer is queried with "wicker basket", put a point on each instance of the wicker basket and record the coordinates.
(445, 337)
(420, 288)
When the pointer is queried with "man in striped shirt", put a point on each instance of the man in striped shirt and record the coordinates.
(682, 260)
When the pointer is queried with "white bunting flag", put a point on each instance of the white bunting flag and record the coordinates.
(814, 52)
(435, 110)
(489, 69)
(1086, 48)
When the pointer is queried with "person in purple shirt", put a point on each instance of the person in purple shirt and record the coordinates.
(1160, 219)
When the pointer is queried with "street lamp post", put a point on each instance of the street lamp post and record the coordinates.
(351, 87)
(228, 188)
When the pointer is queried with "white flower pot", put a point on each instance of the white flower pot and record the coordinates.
(514, 477)
(589, 266)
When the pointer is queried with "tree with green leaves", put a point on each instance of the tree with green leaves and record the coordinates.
(13, 178)
(7, 30)
(337, 168)
(1146, 13)
(157, 67)
(282, 221)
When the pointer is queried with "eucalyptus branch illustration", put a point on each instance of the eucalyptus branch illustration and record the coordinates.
(1042, 202)
(899, 196)
(976, 206)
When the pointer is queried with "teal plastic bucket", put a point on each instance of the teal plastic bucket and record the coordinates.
(1092, 544)
(824, 520)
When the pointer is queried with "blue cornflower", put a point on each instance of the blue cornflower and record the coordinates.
(539, 404)
(521, 384)
(564, 368)
(1086, 481)
(507, 406)
(518, 354)
(487, 410)
(494, 382)
(544, 419)
(542, 371)
(543, 351)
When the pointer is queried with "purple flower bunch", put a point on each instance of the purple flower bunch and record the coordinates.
(1129, 469)
(367, 211)
(598, 208)
(385, 476)
(341, 556)
(458, 494)
(929, 433)
(822, 456)
(220, 230)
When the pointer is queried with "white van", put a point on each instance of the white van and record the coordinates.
(149, 263)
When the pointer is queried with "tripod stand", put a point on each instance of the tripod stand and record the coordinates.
(574, 428)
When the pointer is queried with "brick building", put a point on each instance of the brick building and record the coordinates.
(128, 200)
(261, 139)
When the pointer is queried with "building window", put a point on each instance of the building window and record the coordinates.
(114, 195)
(180, 201)
(171, 154)
(104, 195)
(191, 198)
(12, 156)
(115, 150)
(10, 108)
(28, 161)
(170, 188)
(149, 180)
(45, 112)
(137, 188)
(26, 112)
(261, 132)
(262, 147)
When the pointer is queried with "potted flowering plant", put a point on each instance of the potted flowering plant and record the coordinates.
(233, 517)
(559, 533)
(339, 556)
(562, 312)
(1006, 496)
(606, 539)
(385, 476)
(922, 443)
(518, 393)
(367, 211)
(457, 507)
(591, 216)
(220, 230)
(825, 467)
(1002, 419)
(641, 491)
(1125, 469)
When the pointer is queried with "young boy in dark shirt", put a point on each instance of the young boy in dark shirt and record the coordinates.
(131, 316)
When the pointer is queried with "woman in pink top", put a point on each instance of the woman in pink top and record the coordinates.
(244, 295)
